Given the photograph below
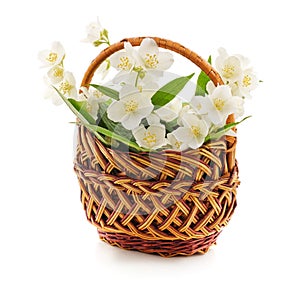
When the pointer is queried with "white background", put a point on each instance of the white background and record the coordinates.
(44, 235)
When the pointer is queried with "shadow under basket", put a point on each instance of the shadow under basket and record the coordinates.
(167, 203)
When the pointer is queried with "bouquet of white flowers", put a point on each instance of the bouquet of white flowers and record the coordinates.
(155, 152)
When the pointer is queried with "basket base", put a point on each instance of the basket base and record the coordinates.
(160, 247)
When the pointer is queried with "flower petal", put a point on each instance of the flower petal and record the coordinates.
(153, 119)
(170, 111)
(122, 61)
(201, 104)
(93, 31)
(126, 90)
(131, 121)
(148, 46)
(116, 111)
(176, 144)
(153, 137)
(189, 120)
(165, 60)
(210, 87)
(216, 117)
(238, 104)
(196, 142)
(56, 74)
(222, 91)
(229, 67)
(183, 134)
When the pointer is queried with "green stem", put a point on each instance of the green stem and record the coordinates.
(137, 78)
(97, 129)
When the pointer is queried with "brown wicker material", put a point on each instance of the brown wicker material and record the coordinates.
(167, 203)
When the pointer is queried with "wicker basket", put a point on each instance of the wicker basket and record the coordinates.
(167, 203)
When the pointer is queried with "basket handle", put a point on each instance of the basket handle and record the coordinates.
(163, 43)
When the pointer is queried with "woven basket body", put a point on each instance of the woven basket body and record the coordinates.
(167, 203)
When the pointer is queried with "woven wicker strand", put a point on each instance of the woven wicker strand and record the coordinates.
(167, 203)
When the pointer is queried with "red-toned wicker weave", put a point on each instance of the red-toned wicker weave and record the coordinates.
(167, 203)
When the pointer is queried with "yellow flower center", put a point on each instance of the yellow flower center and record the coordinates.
(150, 139)
(228, 71)
(52, 57)
(88, 107)
(178, 144)
(58, 72)
(65, 88)
(246, 81)
(124, 64)
(219, 103)
(195, 131)
(97, 93)
(151, 61)
(131, 106)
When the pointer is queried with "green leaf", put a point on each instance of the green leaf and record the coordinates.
(167, 92)
(222, 131)
(96, 130)
(80, 106)
(107, 91)
(83, 116)
(209, 59)
(170, 126)
(112, 135)
(202, 81)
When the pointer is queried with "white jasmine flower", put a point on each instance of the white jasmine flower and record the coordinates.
(94, 93)
(151, 138)
(246, 84)
(193, 132)
(249, 81)
(148, 57)
(93, 31)
(125, 60)
(96, 34)
(152, 58)
(130, 109)
(229, 67)
(219, 104)
(175, 143)
(56, 74)
(92, 106)
(68, 86)
(52, 56)
(93, 98)
(170, 111)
